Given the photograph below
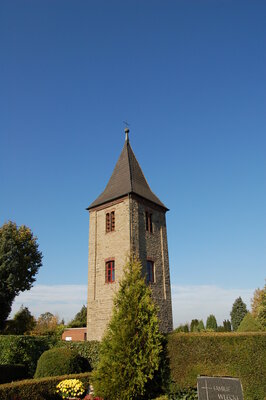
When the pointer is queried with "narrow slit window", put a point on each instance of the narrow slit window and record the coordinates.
(112, 221)
(110, 271)
(107, 223)
(148, 222)
(149, 271)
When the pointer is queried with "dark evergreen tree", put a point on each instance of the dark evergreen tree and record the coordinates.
(20, 260)
(201, 326)
(211, 323)
(194, 325)
(80, 319)
(239, 310)
(227, 325)
(24, 321)
(132, 347)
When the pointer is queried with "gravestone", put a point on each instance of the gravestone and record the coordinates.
(219, 388)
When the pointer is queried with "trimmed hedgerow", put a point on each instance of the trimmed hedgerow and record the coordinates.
(88, 350)
(26, 350)
(60, 361)
(38, 389)
(14, 372)
(240, 355)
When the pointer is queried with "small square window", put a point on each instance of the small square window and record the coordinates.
(148, 222)
(149, 271)
(109, 271)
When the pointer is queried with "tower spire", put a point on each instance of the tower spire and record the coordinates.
(127, 132)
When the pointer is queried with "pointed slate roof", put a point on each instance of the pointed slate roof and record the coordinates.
(126, 178)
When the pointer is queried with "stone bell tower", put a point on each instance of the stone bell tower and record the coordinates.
(127, 218)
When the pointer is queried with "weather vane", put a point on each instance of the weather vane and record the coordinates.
(126, 124)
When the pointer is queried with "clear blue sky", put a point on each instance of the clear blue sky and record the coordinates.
(189, 77)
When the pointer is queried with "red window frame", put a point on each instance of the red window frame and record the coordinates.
(149, 271)
(109, 271)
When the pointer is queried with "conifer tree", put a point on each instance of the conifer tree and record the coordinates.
(227, 325)
(194, 325)
(132, 345)
(80, 318)
(201, 326)
(249, 324)
(239, 310)
(211, 323)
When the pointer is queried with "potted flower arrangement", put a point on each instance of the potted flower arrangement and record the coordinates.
(70, 389)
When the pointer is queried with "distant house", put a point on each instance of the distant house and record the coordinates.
(75, 334)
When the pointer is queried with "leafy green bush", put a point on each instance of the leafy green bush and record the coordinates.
(9, 373)
(249, 324)
(24, 350)
(88, 350)
(240, 355)
(38, 389)
(60, 361)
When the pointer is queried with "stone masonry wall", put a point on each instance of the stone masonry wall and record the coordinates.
(153, 246)
(103, 246)
(130, 237)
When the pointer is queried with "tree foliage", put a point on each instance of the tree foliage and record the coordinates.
(20, 260)
(239, 310)
(80, 319)
(201, 326)
(48, 325)
(249, 324)
(132, 345)
(256, 301)
(22, 323)
(227, 325)
(194, 325)
(184, 328)
(211, 323)
(261, 317)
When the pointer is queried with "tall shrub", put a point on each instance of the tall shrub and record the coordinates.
(249, 324)
(211, 323)
(239, 310)
(132, 345)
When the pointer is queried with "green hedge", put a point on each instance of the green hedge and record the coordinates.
(14, 372)
(38, 389)
(60, 361)
(26, 350)
(240, 355)
(88, 350)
